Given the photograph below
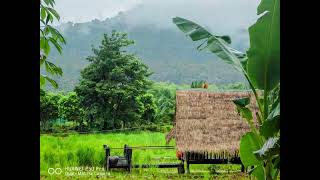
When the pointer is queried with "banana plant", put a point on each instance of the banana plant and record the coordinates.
(260, 65)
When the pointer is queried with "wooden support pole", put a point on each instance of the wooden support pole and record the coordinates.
(107, 154)
(187, 161)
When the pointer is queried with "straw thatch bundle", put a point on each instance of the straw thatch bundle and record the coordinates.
(208, 121)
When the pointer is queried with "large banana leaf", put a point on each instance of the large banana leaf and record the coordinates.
(263, 64)
(219, 45)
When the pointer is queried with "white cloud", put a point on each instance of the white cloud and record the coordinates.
(87, 10)
(220, 16)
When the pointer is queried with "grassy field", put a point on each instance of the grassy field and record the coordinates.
(87, 151)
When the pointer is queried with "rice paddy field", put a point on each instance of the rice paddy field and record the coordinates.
(81, 156)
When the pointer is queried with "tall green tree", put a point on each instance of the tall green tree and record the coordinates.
(261, 67)
(49, 36)
(111, 83)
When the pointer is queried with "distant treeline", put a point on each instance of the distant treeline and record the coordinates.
(62, 112)
(114, 92)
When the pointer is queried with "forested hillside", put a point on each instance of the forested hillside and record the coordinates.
(170, 55)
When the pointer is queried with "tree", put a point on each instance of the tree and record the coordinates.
(49, 36)
(148, 108)
(261, 67)
(164, 94)
(48, 108)
(111, 82)
(69, 107)
(70, 110)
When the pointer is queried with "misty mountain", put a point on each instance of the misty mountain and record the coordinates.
(170, 55)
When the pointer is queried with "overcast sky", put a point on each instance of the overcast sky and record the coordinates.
(86, 10)
(225, 14)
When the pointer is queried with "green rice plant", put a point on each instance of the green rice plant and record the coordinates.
(85, 156)
(87, 150)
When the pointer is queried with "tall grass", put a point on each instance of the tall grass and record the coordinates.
(87, 150)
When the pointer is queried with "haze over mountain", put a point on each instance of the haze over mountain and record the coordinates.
(166, 50)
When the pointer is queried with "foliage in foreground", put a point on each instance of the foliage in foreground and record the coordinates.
(49, 36)
(261, 67)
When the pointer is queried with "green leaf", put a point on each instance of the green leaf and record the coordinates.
(248, 144)
(56, 34)
(244, 62)
(42, 60)
(51, 18)
(192, 29)
(56, 44)
(245, 113)
(44, 45)
(263, 65)
(270, 127)
(53, 69)
(42, 80)
(226, 39)
(242, 101)
(47, 2)
(43, 13)
(276, 162)
(42, 21)
(52, 2)
(46, 30)
(271, 147)
(219, 47)
(258, 172)
(52, 82)
(216, 44)
(275, 112)
(48, 18)
(42, 42)
(54, 12)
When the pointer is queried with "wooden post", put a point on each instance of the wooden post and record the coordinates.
(107, 153)
(128, 156)
(187, 161)
(181, 168)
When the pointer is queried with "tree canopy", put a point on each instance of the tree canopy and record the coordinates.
(111, 84)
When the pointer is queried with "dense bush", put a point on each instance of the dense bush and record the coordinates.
(60, 112)
(69, 108)
(49, 109)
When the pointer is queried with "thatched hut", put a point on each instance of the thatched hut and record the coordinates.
(208, 122)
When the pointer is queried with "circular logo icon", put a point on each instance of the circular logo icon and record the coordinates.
(58, 171)
(54, 171)
(51, 171)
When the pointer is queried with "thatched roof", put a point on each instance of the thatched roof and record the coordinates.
(208, 121)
